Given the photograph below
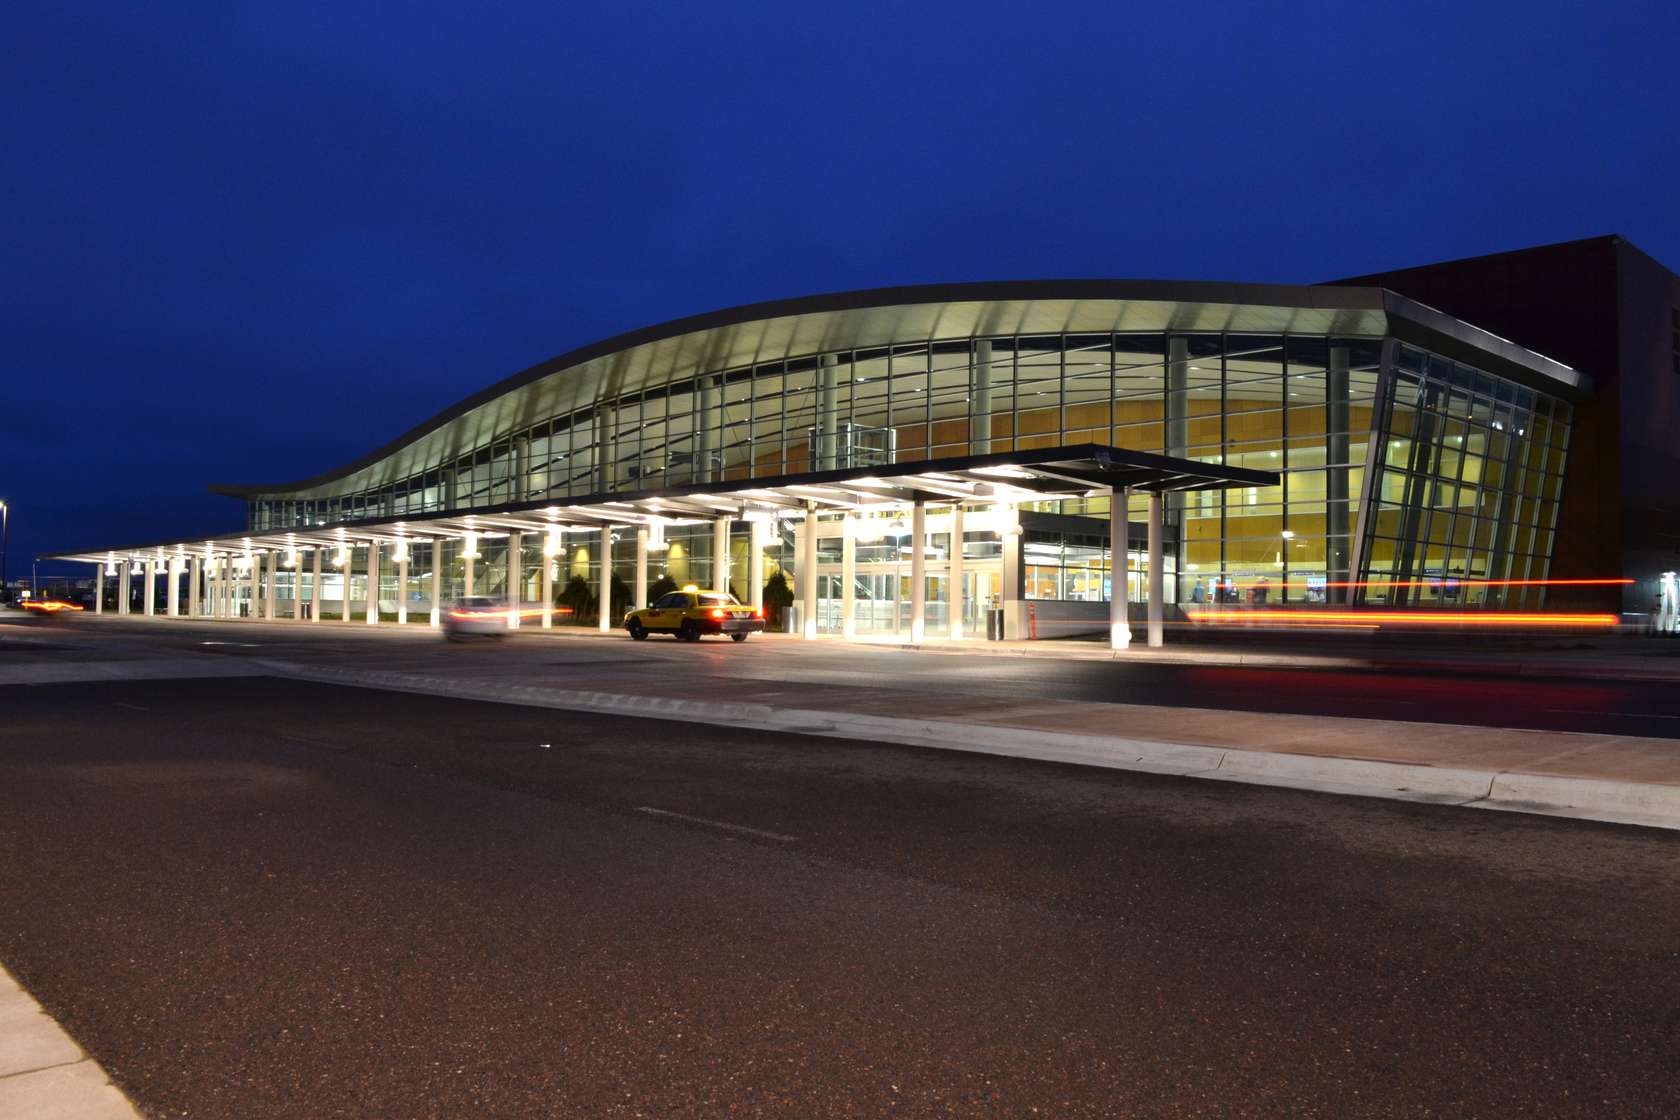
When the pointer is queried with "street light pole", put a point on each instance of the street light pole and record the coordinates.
(5, 543)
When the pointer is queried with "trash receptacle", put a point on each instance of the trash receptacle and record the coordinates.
(994, 624)
(790, 619)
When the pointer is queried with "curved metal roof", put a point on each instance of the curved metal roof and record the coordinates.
(763, 332)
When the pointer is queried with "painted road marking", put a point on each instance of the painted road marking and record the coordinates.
(131, 707)
(724, 825)
(1612, 715)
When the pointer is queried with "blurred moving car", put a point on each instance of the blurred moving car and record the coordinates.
(691, 613)
(475, 617)
(51, 608)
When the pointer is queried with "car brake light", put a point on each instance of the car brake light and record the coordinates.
(759, 613)
(719, 612)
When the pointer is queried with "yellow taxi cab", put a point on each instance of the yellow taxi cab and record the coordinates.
(691, 613)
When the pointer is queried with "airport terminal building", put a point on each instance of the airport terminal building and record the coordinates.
(926, 461)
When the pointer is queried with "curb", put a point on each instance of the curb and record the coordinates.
(1635, 803)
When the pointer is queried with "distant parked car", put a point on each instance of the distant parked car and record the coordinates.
(475, 617)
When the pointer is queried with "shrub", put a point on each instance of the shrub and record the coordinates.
(778, 596)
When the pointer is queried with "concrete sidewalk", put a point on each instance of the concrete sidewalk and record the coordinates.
(1602, 777)
(44, 1075)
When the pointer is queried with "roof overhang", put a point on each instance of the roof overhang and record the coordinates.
(1011, 477)
(794, 328)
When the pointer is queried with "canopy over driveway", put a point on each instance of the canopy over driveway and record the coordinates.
(1005, 479)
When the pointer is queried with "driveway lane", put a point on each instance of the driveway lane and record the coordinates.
(1648, 708)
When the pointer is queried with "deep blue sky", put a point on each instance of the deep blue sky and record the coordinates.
(250, 243)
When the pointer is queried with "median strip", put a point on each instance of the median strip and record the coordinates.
(1651, 804)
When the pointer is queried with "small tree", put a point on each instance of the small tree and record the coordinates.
(661, 587)
(578, 597)
(778, 597)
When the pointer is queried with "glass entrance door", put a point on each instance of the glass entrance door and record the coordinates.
(881, 598)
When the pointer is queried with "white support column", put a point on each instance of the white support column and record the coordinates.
(294, 563)
(604, 624)
(99, 587)
(193, 571)
(271, 598)
(954, 574)
(807, 573)
(980, 411)
(125, 589)
(171, 586)
(720, 554)
(373, 583)
(828, 411)
(918, 572)
(1156, 575)
(151, 587)
(641, 567)
(551, 546)
(468, 559)
(437, 582)
(315, 584)
(755, 561)
(402, 584)
(515, 590)
(348, 568)
(1119, 629)
(1009, 595)
(848, 575)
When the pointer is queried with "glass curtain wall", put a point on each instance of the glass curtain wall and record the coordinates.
(1469, 475)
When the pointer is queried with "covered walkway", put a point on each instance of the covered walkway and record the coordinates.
(238, 575)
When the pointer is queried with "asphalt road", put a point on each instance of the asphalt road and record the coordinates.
(1647, 707)
(264, 898)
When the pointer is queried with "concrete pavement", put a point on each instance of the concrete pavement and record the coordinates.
(44, 1075)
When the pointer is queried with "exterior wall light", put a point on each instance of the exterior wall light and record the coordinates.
(554, 544)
